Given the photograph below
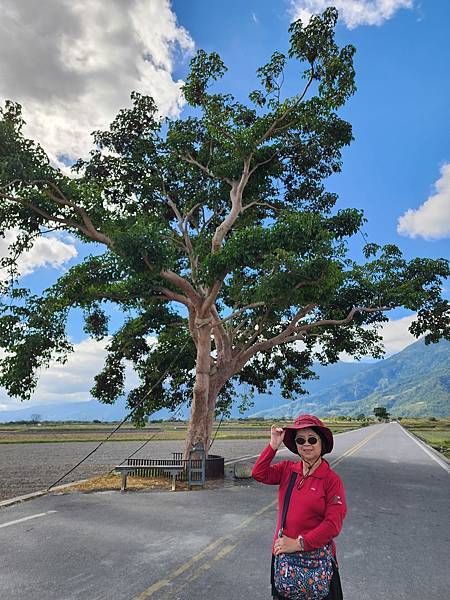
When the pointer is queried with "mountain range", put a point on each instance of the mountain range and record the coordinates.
(413, 382)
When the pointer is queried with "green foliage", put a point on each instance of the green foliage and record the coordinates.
(330, 66)
(33, 335)
(380, 412)
(204, 68)
(158, 195)
(96, 323)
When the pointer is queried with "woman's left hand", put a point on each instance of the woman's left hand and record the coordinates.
(286, 545)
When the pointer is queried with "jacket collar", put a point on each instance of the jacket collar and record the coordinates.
(320, 472)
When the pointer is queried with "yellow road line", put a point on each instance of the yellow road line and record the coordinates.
(226, 538)
(187, 565)
(207, 565)
(226, 550)
(355, 448)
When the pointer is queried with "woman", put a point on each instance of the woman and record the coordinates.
(317, 505)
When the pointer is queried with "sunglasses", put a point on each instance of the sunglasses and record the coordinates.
(301, 440)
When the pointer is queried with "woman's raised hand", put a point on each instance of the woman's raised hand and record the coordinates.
(276, 436)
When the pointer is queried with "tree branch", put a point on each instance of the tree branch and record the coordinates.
(294, 338)
(64, 201)
(247, 352)
(272, 128)
(255, 329)
(238, 312)
(215, 214)
(293, 332)
(256, 203)
(221, 337)
(345, 321)
(87, 228)
(264, 162)
(12, 182)
(47, 216)
(183, 285)
(186, 237)
(188, 216)
(173, 296)
(192, 161)
(300, 314)
(237, 189)
(294, 105)
(212, 295)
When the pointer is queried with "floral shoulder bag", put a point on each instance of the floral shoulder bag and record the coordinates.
(302, 575)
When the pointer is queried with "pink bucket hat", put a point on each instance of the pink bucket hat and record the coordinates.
(303, 422)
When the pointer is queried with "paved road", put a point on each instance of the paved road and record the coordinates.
(216, 543)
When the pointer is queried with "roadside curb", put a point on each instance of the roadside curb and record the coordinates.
(24, 498)
(38, 494)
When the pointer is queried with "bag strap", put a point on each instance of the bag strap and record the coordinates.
(287, 498)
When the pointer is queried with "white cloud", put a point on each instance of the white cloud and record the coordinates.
(352, 12)
(46, 251)
(395, 336)
(73, 63)
(69, 382)
(72, 381)
(432, 219)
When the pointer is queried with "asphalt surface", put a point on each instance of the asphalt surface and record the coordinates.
(216, 543)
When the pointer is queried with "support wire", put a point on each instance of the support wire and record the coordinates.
(123, 420)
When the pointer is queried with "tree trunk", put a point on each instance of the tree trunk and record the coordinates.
(201, 417)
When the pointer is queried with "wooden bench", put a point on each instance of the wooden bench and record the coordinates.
(126, 470)
(173, 468)
(193, 470)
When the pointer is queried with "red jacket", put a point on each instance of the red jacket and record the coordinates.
(316, 510)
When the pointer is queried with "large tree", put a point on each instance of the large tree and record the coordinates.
(214, 233)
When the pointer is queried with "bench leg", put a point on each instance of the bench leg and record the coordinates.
(173, 481)
(123, 486)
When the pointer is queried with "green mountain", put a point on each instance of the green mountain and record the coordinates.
(415, 382)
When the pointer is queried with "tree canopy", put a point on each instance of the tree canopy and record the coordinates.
(214, 232)
(381, 413)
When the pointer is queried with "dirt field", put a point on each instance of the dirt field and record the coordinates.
(27, 467)
(78, 432)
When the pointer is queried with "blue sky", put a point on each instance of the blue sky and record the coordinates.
(91, 56)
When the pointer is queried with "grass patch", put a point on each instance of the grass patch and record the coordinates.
(435, 439)
(112, 481)
(435, 432)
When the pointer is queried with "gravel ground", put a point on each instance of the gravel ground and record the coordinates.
(26, 468)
